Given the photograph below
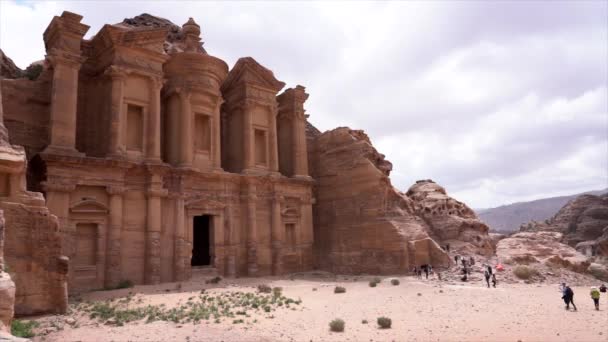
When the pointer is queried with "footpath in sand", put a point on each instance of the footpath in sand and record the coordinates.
(420, 310)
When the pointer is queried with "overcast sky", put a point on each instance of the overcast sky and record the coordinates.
(497, 101)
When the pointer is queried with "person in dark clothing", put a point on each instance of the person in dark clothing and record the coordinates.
(486, 274)
(489, 268)
(456, 257)
(464, 262)
(494, 280)
(569, 298)
(447, 247)
(471, 261)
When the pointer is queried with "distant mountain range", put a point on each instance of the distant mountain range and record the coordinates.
(508, 218)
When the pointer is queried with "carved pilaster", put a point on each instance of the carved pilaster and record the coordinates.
(117, 78)
(186, 122)
(277, 236)
(153, 230)
(62, 39)
(252, 234)
(113, 259)
(153, 136)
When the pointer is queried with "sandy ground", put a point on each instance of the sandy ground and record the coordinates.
(420, 311)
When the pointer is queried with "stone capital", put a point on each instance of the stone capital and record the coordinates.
(58, 57)
(156, 82)
(115, 190)
(115, 72)
(157, 193)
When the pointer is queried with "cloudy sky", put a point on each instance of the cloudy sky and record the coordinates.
(497, 101)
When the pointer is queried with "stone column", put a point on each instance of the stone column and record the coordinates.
(291, 106)
(64, 95)
(252, 232)
(153, 136)
(62, 39)
(273, 139)
(217, 136)
(219, 243)
(186, 128)
(248, 143)
(231, 251)
(153, 228)
(180, 247)
(277, 236)
(117, 146)
(113, 258)
(300, 151)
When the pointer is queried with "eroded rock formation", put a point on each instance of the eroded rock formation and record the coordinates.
(583, 223)
(364, 225)
(450, 221)
(29, 239)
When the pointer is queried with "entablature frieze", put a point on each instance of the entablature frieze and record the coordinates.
(58, 186)
(118, 190)
(57, 57)
(157, 193)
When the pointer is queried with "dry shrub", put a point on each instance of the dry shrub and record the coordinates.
(339, 289)
(384, 322)
(263, 288)
(337, 325)
(524, 272)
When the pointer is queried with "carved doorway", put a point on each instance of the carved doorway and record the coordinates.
(202, 237)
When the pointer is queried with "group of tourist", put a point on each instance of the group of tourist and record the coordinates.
(427, 269)
(568, 295)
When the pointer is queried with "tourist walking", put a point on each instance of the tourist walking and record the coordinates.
(487, 275)
(471, 261)
(568, 296)
(494, 280)
(595, 295)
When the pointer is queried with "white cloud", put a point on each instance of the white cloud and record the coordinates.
(497, 102)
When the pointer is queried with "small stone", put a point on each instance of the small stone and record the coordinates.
(419, 294)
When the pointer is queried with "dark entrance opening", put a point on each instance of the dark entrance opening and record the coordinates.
(201, 248)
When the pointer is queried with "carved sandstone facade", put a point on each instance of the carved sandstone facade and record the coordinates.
(160, 162)
(156, 162)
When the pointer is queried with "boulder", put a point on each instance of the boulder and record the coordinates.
(7, 300)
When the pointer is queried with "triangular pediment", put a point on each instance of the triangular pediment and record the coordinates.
(149, 39)
(247, 70)
(89, 206)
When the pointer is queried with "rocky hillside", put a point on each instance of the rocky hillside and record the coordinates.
(508, 218)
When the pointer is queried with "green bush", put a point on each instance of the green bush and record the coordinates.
(264, 288)
(277, 291)
(377, 280)
(336, 325)
(384, 322)
(339, 289)
(395, 282)
(23, 328)
(364, 321)
(372, 284)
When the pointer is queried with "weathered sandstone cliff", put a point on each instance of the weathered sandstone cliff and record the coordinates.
(364, 225)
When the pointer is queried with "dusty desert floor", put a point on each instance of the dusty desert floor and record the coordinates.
(420, 310)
